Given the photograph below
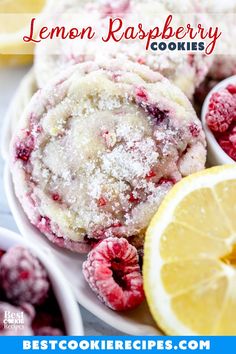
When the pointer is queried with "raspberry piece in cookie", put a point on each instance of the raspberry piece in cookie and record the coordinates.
(221, 111)
(22, 277)
(113, 273)
(232, 89)
(227, 142)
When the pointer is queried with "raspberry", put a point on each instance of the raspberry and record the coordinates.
(48, 331)
(157, 115)
(194, 130)
(23, 152)
(24, 148)
(102, 202)
(109, 138)
(231, 89)
(113, 273)
(225, 141)
(141, 94)
(232, 137)
(22, 276)
(133, 199)
(221, 111)
(203, 89)
(7, 328)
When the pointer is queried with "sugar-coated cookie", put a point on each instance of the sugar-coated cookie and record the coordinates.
(98, 149)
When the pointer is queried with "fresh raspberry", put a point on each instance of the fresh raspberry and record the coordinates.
(8, 328)
(232, 154)
(22, 276)
(113, 273)
(48, 331)
(221, 111)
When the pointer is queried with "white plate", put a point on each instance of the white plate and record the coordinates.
(135, 322)
(66, 301)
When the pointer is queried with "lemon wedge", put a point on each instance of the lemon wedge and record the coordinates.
(15, 17)
(190, 256)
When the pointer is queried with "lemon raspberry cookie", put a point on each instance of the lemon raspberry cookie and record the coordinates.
(98, 149)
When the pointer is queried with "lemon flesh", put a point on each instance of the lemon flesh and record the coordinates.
(190, 256)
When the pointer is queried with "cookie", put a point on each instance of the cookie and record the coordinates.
(98, 149)
(186, 71)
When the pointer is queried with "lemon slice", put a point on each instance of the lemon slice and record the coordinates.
(15, 16)
(190, 256)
